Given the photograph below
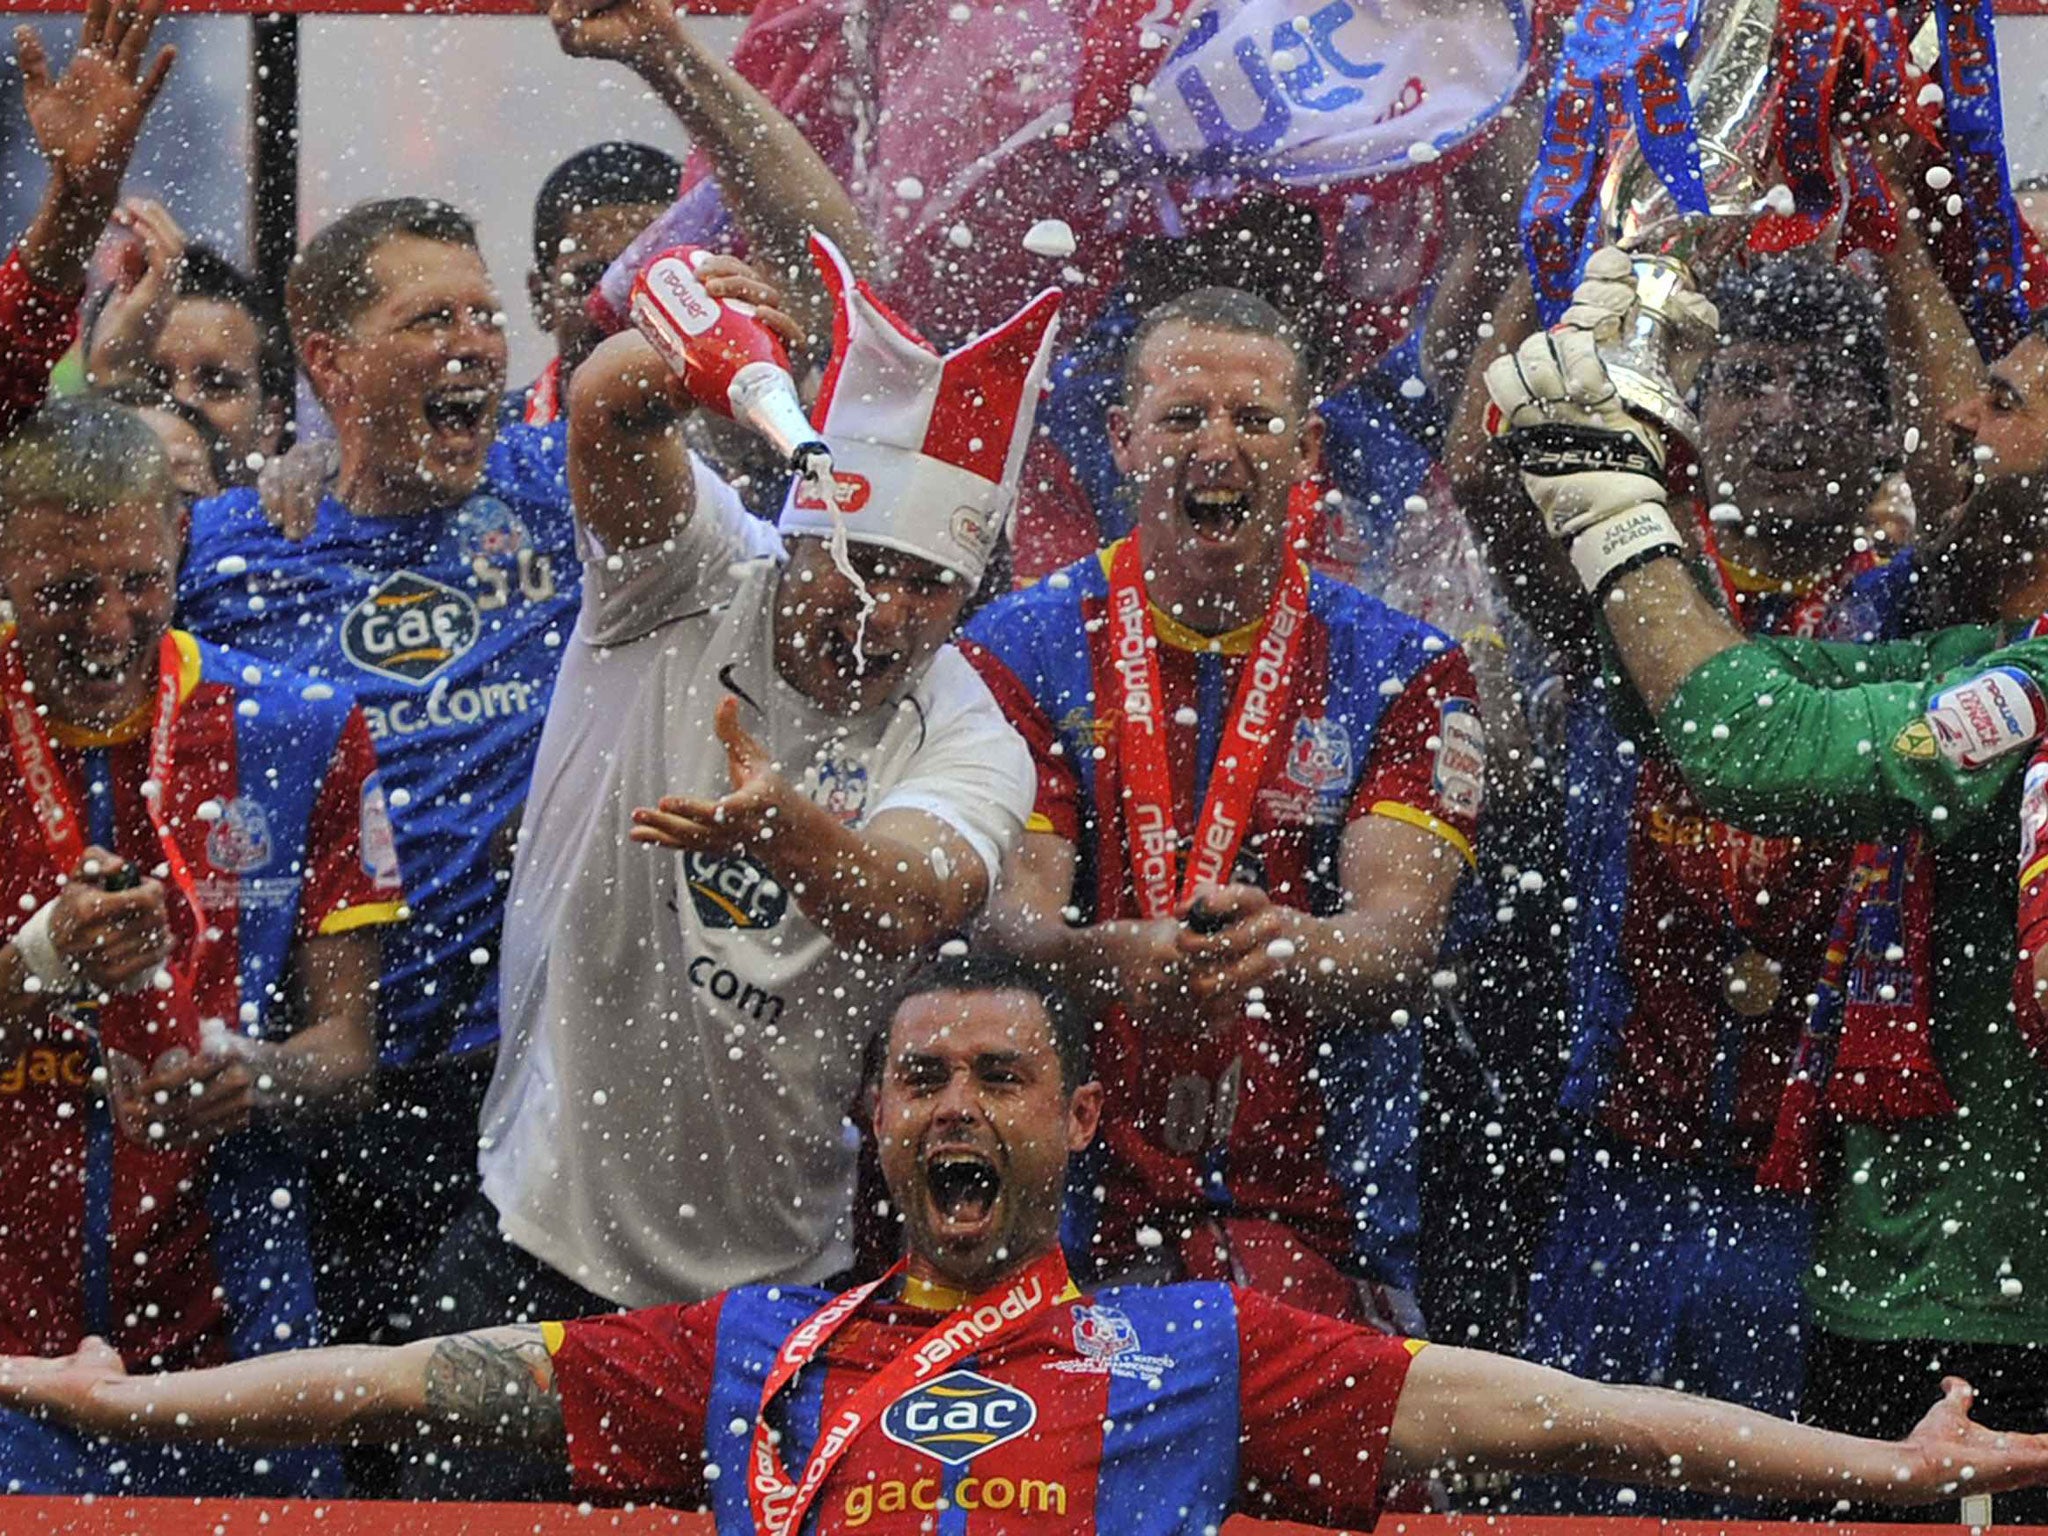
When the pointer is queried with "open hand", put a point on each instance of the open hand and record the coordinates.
(62, 1388)
(86, 120)
(1949, 1453)
(734, 823)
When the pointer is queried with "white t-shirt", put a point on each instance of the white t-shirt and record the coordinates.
(680, 1042)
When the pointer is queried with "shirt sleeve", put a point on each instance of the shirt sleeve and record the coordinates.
(352, 876)
(630, 593)
(634, 1388)
(1802, 738)
(37, 325)
(1317, 1403)
(1056, 801)
(973, 772)
(1427, 764)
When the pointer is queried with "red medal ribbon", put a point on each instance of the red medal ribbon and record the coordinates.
(1263, 696)
(1001, 1312)
(62, 833)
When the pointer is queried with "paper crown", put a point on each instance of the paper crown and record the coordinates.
(926, 449)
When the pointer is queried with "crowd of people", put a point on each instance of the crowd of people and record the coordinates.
(1266, 820)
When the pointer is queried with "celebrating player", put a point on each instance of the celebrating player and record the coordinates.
(1259, 789)
(824, 790)
(977, 1377)
(438, 584)
(1931, 1248)
(148, 1050)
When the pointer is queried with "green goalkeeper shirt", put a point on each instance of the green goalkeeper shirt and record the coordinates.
(1935, 1230)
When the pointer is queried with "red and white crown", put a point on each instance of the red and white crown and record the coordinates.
(926, 449)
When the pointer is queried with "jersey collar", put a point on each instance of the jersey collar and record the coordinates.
(1232, 642)
(137, 724)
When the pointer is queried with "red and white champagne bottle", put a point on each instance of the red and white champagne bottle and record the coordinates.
(727, 359)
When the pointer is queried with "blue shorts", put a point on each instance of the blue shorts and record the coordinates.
(37, 1458)
(1672, 1275)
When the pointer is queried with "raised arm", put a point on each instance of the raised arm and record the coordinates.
(85, 122)
(778, 188)
(1464, 1409)
(498, 1383)
(629, 469)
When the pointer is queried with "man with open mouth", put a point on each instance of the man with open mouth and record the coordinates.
(1258, 790)
(438, 584)
(976, 1384)
(767, 787)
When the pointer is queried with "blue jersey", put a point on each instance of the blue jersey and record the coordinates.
(448, 627)
(1156, 1409)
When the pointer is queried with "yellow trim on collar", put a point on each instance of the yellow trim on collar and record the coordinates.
(363, 915)
(1233, 642)
(1038, 821)
(928, 1296)
(136, 726)
(1443, 829)
(2033, 872)
(551, 1336)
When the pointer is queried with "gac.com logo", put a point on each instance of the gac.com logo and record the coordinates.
(958, 1416)
(409, 628)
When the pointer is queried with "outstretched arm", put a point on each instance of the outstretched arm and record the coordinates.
(498, 1383)
(1463, 1408)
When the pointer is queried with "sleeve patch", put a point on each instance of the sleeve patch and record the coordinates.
(1460, 775)
(379, 842)
(1987, 716)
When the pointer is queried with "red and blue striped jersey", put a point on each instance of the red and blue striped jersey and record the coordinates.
(185, 1257)
(1275, 1121)
(1154, 1409)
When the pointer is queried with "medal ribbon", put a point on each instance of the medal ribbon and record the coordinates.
(54, 813)
(1263, 695)
(1000, 1313)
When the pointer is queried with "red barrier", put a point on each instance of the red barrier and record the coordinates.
(256, 1517)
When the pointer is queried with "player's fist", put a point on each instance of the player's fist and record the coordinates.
(1594, 472)
(112, 939)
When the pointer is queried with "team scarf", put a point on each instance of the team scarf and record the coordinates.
(996, 1316)
(1264, 693)
(144, 1023)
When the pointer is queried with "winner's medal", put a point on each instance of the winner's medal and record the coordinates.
(1751, 982)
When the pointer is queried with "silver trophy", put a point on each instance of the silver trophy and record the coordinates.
(1733, 87)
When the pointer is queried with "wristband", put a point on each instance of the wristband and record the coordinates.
(39, 952)
(1618, 544)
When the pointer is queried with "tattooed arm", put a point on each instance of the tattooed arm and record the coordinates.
(498, 1382)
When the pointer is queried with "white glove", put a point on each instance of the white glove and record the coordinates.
(1606, 296)
(1595, 473)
